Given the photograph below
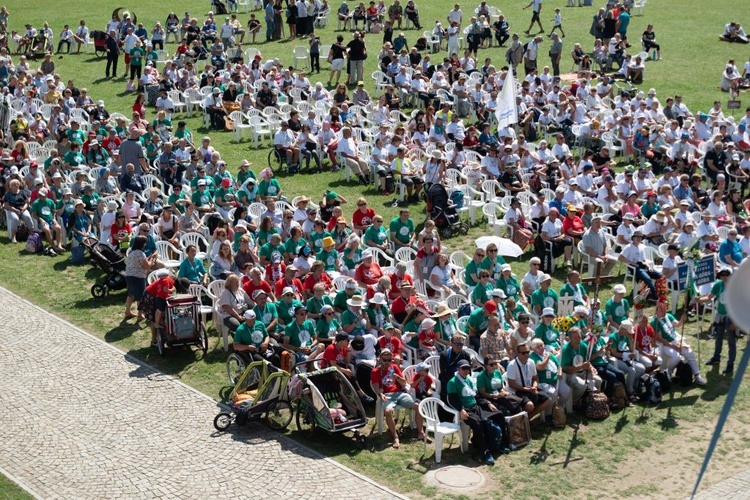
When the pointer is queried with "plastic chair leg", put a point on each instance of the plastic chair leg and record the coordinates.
(438, 447)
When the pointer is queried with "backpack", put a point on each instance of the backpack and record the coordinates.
(390, 184)
(683, 374)
(648, 389)
(493, 437)
(22, 233)
(464, 310)
(665, 384)
(34, 243)
(457, 198)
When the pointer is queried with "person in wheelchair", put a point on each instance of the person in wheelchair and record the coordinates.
(284, 143)
(252, 342)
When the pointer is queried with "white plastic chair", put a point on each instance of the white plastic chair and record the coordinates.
(301, 54)
(240, 123)
(163, 248)
(198, 240)
(200, 291)
(214, 290)
(405, 254)
(429, 409)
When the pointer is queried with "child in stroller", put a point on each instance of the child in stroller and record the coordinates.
(443, 212)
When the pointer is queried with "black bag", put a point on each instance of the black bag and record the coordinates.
(22, 233)
(683, 374)
(464, 310)
(648, 389)
(493, 436)
(390, 184)
(664, 383)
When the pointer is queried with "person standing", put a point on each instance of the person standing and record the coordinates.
(536, 8)
(555, 54)
(357, 56)
(723, 326)
(136, 65)
(113, 54)
(531, 54)
(269, 21)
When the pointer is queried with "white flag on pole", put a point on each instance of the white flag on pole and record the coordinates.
(506, 112)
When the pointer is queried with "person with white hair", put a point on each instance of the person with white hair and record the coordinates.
(671, 344)
(623, 351)
(549, 370)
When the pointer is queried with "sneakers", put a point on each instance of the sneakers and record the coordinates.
(367, 399)
(699, 380)
(488, 458)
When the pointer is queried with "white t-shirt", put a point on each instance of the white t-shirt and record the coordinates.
(552, 229)
(523, 374)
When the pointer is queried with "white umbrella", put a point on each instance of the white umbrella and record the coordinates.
(505, 247)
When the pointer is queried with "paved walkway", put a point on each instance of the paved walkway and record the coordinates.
(78, 419)
(734, 488)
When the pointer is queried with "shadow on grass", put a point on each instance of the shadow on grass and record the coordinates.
(122, 331)
(718, 385)
(540, 456)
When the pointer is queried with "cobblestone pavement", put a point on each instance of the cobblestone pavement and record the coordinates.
(734, 488)
(78, 419)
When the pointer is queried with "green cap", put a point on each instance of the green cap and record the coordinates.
(629, 168)
(331, 195)
(388, 326)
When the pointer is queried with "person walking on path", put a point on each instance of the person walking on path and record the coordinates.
(536, 10)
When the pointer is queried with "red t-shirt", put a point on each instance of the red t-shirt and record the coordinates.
(333, 353)
(396, 284)
(421, 387)
(115, 229)
(399, 304)
(111, 143)
(385, 379)
(310, 281)
(369, 275)
(428, 338)
(161, 288)
(275, 273)
(643, 338)
(576, 224)
(363, 219)
(295, 284)
(394, 344)
(249, 287)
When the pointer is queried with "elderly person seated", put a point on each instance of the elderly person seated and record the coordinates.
(597, 247)
(549, 371)
(233, 302)
(523, 381)
(623, 349)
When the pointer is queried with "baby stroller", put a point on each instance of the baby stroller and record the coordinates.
(261, 391)
(100, 43)
(108, 260)
(184, 325)
(443, 212)
(327, 400)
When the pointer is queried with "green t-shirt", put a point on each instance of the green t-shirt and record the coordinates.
(68, 207)
(577, 292)
(472, 268)
(665, 327)
(352, 263)
(210, 186)
(202, 199)
(544, 299)
(478, 321)
(314, 305)
(446, 328)
(74, 158)
(267, 314)
(549, 375)
(413, 327)
(375, 235)
(620, 342)
(328, 258)
(549, 335)
(243, 176)
(218, 177)
(618, 310)
(316, 240)
(300, 335)
(268, 250)
(286, 310)
(718, 290)
(227, 195)
(44, 208)
(136, 56)
(339, 301)
(348, 318)
(75, 136)
(293, 247)
(272, 188)
(568, 354)
(481, 293)
(265, 235)
(601, 343)
(493, 268)
(378, 317)
(173, 198)
(327, 329)
(403, 231)
(492, 384)
(466, 389)
(90, 201)
(251, 335)
(511, 287)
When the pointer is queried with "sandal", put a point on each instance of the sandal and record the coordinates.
(396, 444)
(129, 316)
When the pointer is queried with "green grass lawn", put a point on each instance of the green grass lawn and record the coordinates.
(10, 491)
(693, 61)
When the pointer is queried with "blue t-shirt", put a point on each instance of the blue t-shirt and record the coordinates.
(731, 248)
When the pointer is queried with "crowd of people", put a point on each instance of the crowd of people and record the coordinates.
(369, 295)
